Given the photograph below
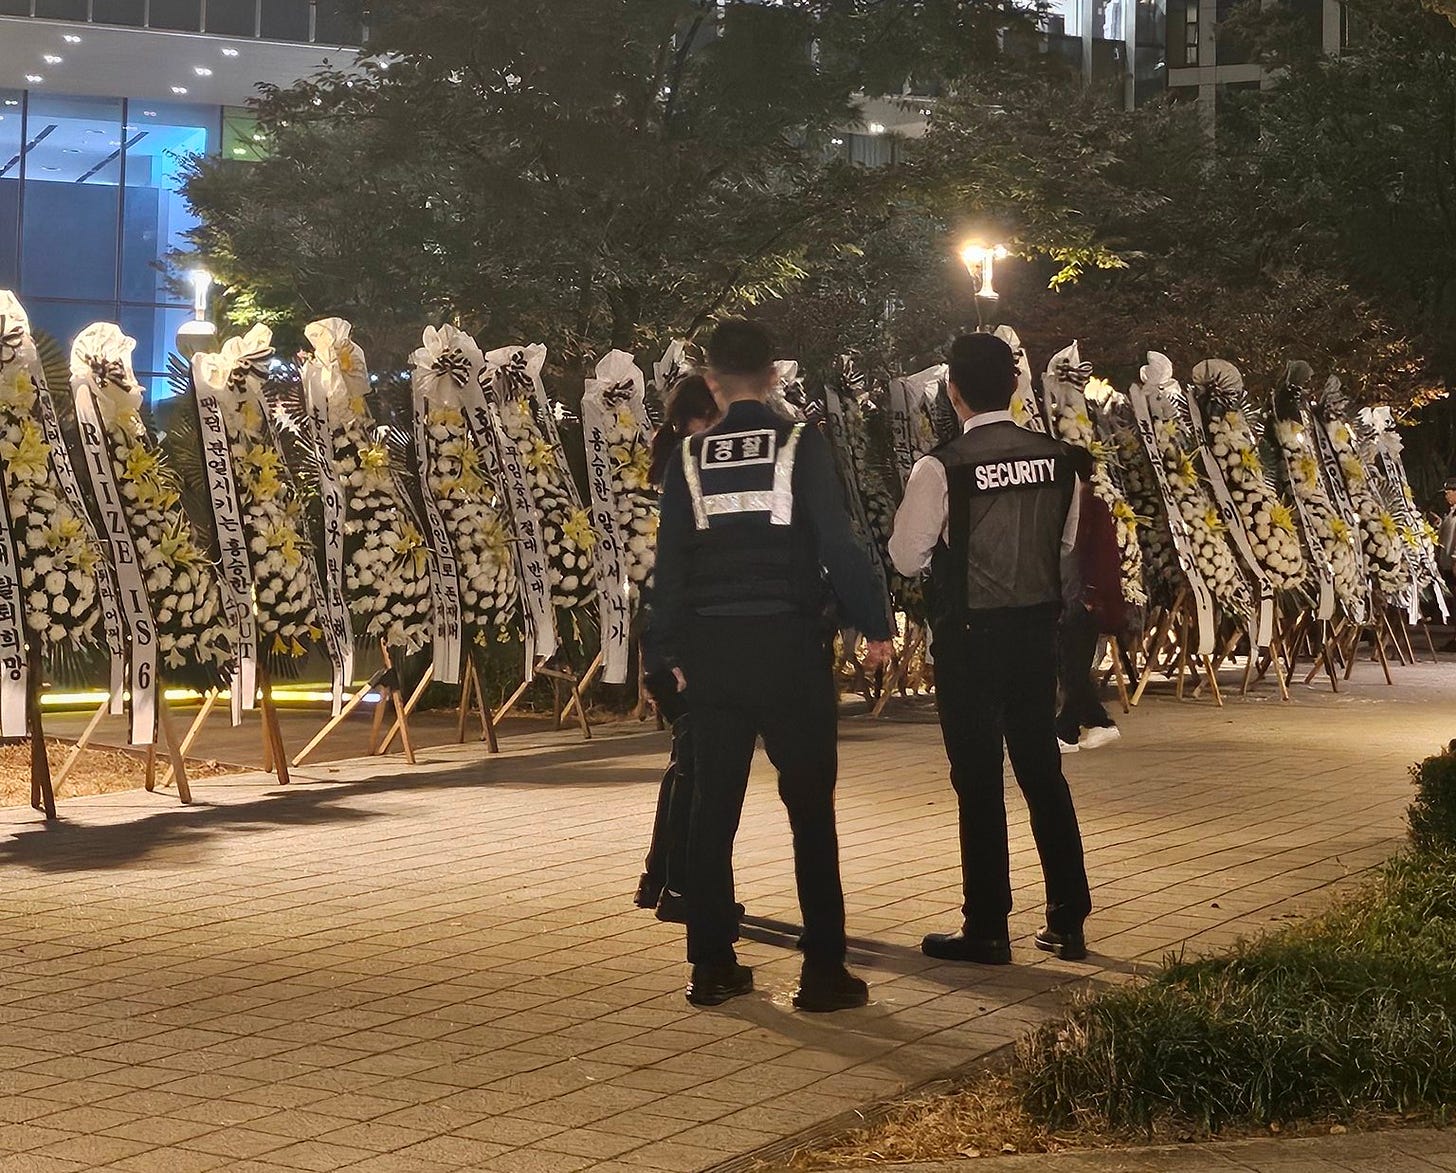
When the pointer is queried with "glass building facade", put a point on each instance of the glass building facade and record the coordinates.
(92, 213)
(91, 208)
(308, 21)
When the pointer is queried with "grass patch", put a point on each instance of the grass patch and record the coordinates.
(1354, 1011)
(1344, 1020)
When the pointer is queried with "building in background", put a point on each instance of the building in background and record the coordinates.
(100, 103)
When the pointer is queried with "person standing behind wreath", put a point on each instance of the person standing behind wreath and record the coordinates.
(690, 409)
(993, 515)
(1098, 609)
(752, 518)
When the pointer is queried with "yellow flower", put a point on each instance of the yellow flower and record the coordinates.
(411, 548)
(1185, 466)
(141, 463)
(1249, 461)
(470, 481)
(263, 469)
(29, 457)
(1339, 529)
(1308, 469)
(142, 467)
(346, 359)
(17, 391)
(578, 530)
(449, 417)
(1387, 523)
(1097, 388)
(1281, 517)
(1352, 468)
(540, 455)
(64, 534)
(284, 539)
(374, 464)
(251, 417)
(176, 546)
(496, 539)
(1213, 521)
(626, 421)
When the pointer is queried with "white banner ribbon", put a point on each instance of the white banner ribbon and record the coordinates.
(441, 360)
(482, 409)
(1233, 521)
(94, 365)
(319, 439)
(1421, 556)
(18, 345)
(913, 431)
(1177, 527)
(14, 668)
(617, 387)
(234, 568)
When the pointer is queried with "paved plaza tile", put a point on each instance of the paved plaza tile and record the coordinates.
(435, 968)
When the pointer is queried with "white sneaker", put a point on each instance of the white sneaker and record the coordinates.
(1099, 735)
(1067, 746)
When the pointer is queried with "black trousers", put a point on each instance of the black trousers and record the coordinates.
(667, 857)
(1081, 708)
(995, 682)
(771, 677)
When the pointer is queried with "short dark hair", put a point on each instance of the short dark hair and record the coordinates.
(984, 371)
(740, 347)
(689, 401)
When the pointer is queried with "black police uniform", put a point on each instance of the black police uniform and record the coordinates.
(997, 592)
(752, 517)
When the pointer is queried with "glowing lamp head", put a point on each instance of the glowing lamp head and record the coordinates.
(980, 261)
(201, 281)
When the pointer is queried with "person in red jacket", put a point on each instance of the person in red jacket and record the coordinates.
(1083, 722)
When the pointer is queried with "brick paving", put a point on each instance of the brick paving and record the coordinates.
(386, 968)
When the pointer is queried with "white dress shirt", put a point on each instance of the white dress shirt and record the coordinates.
(921, 520)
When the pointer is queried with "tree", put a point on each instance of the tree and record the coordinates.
(592, 172)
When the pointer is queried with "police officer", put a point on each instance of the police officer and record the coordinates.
(752, 519)
(993, 514)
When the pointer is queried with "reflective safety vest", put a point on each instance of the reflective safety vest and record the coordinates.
(741, 474)
(748, 555)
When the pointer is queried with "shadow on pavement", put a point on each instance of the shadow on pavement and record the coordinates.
(309, 801)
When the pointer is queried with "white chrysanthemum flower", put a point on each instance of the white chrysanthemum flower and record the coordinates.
(1268, 520)
(1334, 539)
(57, 560)
(272, 518)
(566, 527)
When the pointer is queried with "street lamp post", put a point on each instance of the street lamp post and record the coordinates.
(980, 261)
(199, 334)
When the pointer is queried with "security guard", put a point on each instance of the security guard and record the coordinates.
(752, 518)
(993, 514)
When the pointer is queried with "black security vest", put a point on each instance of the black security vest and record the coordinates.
(749, 552)
(1009, 492)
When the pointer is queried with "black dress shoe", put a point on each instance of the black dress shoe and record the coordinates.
(672, 909)
(715, 982)
(826, 987)
(1069, 946)
(959, 947)
(649, 892)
